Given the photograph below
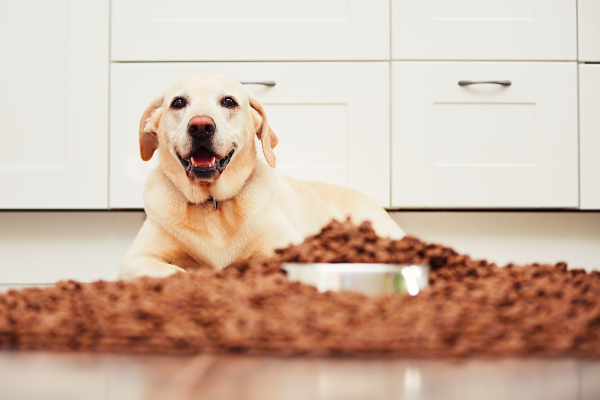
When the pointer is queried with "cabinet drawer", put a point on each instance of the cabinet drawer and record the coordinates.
(484, 30)
(588, 24)
(589, 135)
(237, 30)
(332, 120)
(484, 145)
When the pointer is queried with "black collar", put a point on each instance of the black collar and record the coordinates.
(216, 202)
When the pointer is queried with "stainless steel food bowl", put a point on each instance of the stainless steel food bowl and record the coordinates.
(365, 278)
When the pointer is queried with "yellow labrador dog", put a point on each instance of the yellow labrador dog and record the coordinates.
(212, 200)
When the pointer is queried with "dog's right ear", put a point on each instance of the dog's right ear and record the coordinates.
(148, 127)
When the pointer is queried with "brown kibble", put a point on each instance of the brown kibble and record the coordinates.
(472, 308)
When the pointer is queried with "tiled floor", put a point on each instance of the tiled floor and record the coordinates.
(64, 376)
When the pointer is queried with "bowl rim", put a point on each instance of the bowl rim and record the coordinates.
(352, 268)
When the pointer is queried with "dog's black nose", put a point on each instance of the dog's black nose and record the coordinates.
(201, 126)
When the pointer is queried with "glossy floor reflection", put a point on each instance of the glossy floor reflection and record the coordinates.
(44, 375)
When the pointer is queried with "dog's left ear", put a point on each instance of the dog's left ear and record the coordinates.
(264, 132)
(148, 127)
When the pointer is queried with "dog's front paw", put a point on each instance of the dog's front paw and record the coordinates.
(152, 268)
(161, 271)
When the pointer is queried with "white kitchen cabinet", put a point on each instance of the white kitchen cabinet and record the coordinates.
(332, 120)
(238, 30)
(484, 145)
(589, 135)
(588, 25)
(54, 107)
(484, 30)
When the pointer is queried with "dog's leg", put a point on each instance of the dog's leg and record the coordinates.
(153, 254)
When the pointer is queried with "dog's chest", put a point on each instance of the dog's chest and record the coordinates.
(218, 240)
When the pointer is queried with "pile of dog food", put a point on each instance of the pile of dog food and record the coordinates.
(472, 308)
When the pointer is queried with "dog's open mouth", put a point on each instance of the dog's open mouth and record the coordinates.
(204, 164)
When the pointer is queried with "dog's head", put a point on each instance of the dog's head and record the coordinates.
(203, 128)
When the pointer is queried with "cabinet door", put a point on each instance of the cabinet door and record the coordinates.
(54, 104)
(191, 30)
(588, 25)
(332, 120)
(484, 30)
(589, 136)
(484, 145)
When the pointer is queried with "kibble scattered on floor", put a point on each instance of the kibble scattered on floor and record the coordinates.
(471, 308)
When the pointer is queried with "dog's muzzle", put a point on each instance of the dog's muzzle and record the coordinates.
(203, 163)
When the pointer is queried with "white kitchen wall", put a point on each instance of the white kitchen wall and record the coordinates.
(45, 247)
(519, 237)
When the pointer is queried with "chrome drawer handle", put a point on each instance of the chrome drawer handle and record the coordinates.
(266, 83)
(503, 83)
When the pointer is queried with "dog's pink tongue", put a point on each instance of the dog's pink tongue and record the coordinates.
(202, 158)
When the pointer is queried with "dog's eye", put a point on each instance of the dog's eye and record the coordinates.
(178, 103)
(228, 102)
